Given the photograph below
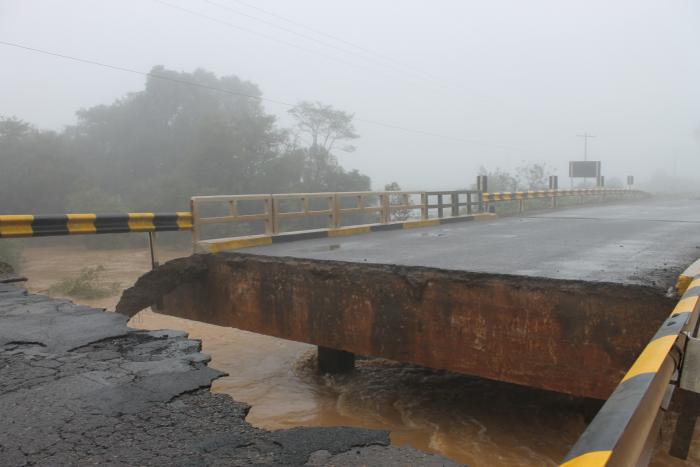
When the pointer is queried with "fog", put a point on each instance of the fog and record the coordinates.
(495, 83)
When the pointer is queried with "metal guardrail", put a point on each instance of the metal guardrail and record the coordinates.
(26, 225)
(624, 430)
(555, 194)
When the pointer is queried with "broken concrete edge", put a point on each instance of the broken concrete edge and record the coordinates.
(234, 243)
(155, 284)
(687, 276)
(134, 397)
(434, 317)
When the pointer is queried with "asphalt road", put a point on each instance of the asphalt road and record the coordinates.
(645, 243)
(78, 387)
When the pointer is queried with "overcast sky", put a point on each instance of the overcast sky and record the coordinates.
(501, 81)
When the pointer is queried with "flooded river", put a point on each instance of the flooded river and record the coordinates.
(470, 420)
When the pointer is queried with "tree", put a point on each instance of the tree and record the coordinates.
(36, 170)
(532, 176)
(153, 149)
(324, 125)
(399, 214)
(499, 180)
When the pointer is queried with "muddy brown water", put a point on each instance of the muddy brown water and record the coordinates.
(470, 420)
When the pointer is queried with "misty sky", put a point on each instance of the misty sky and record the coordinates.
(502, 81)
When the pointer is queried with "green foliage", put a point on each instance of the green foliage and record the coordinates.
(37, 172)
(153, 149)
(86, 285)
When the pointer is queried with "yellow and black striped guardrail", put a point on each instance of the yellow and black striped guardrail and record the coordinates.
(26, 225)
(619, 433)
(517, 195)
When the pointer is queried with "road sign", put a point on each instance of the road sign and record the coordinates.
(584, 169)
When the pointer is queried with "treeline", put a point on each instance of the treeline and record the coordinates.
(153, 149)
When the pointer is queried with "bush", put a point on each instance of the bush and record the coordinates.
(85, 285)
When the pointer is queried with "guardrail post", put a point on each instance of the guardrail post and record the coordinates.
(554, 186)
(335, 211)
(270, 211)
(520, 206)
(423, 205)
(195, 227)
(439, 205)
(152, 248)
(482, 186)
(384, 213)
(275, 212)
(454, 199)
(469, 202)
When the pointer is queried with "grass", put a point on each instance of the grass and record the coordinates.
(86, 285)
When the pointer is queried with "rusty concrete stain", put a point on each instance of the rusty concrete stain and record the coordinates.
(569, 336)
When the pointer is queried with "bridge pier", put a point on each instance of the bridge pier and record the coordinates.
(335, 361)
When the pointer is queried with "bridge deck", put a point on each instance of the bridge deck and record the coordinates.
(632, 243)
(563, 300)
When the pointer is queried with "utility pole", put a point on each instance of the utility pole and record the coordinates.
(585, 137)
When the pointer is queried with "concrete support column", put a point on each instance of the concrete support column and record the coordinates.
(335, 361)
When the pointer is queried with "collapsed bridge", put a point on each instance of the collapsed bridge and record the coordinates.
(575, 300)
(563, 300)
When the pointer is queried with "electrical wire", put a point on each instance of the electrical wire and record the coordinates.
(235, 93)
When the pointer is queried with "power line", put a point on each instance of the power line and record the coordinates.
(230, 92)
(434, 81)
(366, 55)
(144, 73)
(259, 34)
(330, 36)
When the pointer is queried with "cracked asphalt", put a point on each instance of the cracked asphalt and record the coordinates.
(79, 387)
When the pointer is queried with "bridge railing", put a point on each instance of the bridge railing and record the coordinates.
(336, 209)
(554, 195)
(627, 426)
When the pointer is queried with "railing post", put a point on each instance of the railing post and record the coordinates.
(554, 187)
(195, 227)
(520, 206)
(469, 202)
(454, 199)
(385, 213)
(423, 205)
(275, 212)
(270, 211)
(482, 186)
(152, 248)
(439, 196)
(335, 211)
